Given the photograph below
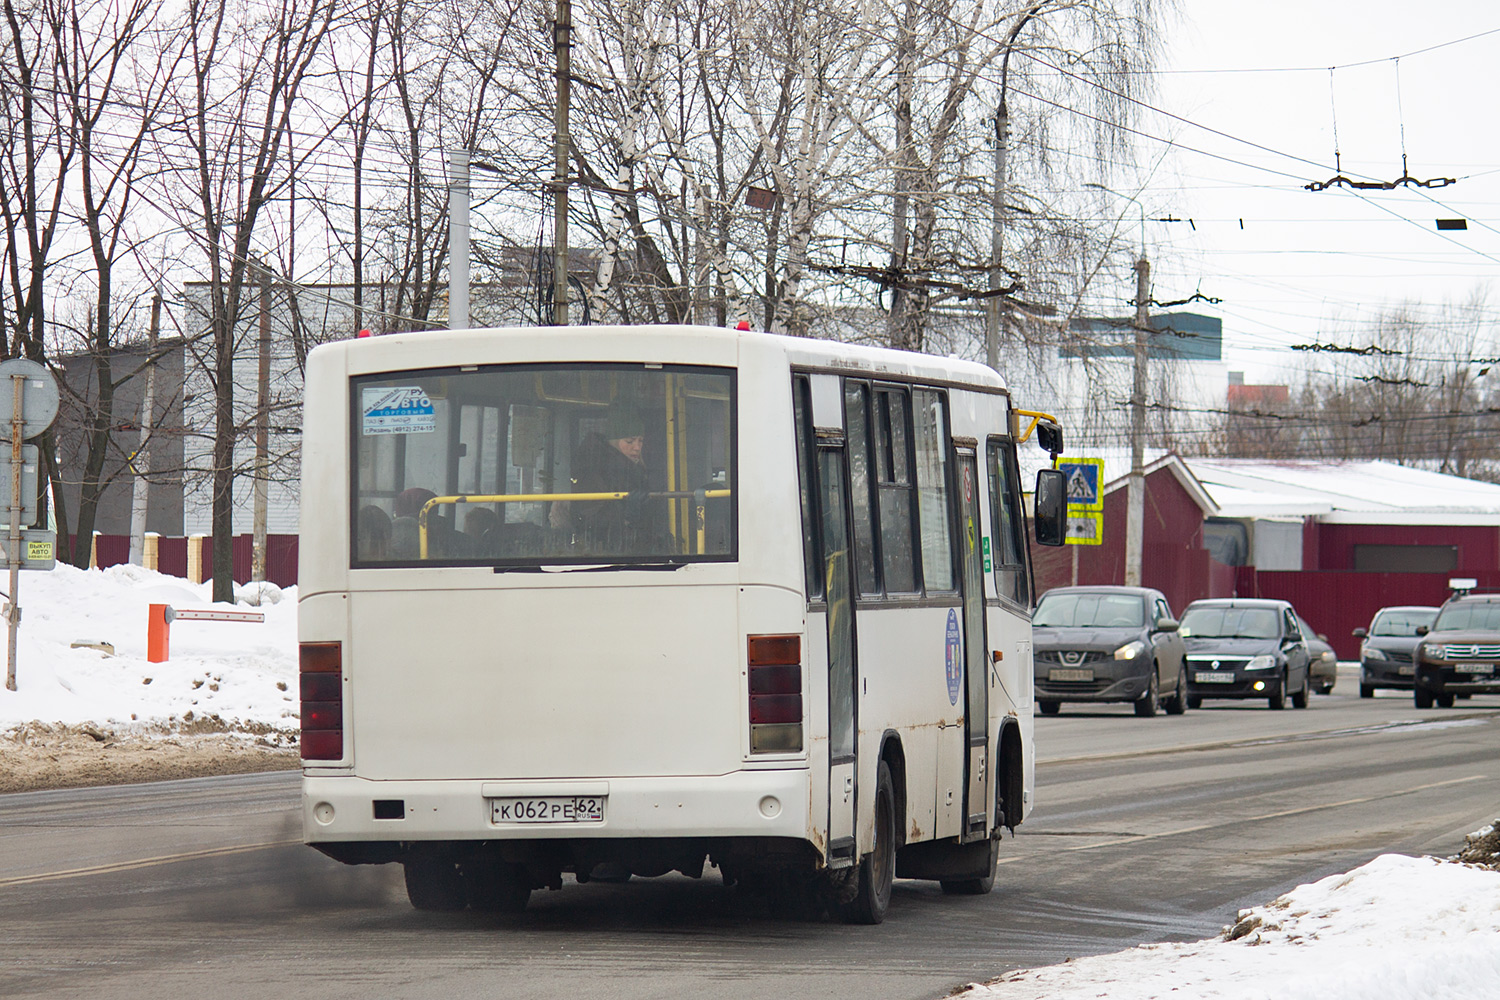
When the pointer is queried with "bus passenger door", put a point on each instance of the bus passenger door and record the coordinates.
(843, 675)
(976, 806)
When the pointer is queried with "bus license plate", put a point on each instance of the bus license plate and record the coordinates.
(1478, 668)
(1207, 678)
(1066, 674)
(548, 809)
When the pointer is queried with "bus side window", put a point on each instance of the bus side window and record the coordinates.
(856, 422)
(1007, 524)
(803, 429)
(934, 512)
(893, 473)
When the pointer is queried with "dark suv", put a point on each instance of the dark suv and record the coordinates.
(1385, 655)
(1459, 654)
(1245, 648)
(1107, 644)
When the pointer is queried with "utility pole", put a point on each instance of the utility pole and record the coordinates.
(1135, 495)
(262, 434)
(1135, 499)
(140, 463)
(458, 239)
(562, 42)
(997, 233)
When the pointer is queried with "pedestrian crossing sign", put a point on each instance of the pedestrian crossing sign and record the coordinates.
(1085, 479)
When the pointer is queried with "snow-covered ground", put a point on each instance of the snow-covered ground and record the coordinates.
(1398, 928)
(241, 672)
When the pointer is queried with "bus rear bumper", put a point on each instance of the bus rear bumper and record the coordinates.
(762, 803)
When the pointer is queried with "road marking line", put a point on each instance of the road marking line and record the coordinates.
(1137, 838)
(124, 866)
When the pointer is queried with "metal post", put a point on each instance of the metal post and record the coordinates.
(458, 239)
(562, 41)
(1135, 510)
(13, 553)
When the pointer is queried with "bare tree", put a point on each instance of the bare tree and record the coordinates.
(237, 117)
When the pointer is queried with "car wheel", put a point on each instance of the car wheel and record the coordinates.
(1443, 700)
(1277, 700)
(1422, 697)
(1178, 703)
(878, 868)
(1299, 698)
(1367, 690)
(1049, 707)
(1146, 704)
(1195, 701)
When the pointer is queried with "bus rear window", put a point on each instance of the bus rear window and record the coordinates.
(519, 465)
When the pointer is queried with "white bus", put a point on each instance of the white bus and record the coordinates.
(610, 600)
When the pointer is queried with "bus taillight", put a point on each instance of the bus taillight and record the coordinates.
(321, 670)
(775, 663)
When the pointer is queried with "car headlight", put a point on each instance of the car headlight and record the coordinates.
(1371, 653)
(1328, 656)
(1264, 661)
(1130, 650)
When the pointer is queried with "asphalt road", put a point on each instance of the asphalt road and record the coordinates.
(1145, 830)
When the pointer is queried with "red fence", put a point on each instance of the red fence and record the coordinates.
(172, 556)
(1336, 602)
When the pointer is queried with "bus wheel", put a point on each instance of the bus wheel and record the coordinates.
(496, 886)
(435, 883)
(878, 868)
(975, 886)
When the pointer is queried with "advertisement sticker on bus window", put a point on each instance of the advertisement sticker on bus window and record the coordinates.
(952, 653)
(397, 410)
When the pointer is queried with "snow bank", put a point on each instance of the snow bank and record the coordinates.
(241, 672)
(1399, 928)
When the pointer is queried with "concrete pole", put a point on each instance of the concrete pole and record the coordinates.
(562, 43)
(997, 241)
(1135, 505)
(458, 239)
(262, 435)
(141, 463)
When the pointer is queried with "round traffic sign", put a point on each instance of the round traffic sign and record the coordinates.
(39, 397)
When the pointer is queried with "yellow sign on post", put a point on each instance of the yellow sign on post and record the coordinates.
(1085, 494)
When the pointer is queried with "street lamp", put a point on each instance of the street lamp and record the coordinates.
(1135, 496)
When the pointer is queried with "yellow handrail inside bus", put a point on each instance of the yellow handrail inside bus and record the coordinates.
(422, 515)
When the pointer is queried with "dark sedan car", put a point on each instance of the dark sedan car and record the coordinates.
(1459, 654)
(1385, 656)
(1108, 644)
(1245, 648)
(1322, 661)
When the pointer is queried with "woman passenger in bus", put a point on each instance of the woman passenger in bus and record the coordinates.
(374, 533)
(612, 461)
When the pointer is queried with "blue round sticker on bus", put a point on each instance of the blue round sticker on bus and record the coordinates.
(953, 653)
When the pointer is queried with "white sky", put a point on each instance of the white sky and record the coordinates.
(1398, 928)
(1311, 266)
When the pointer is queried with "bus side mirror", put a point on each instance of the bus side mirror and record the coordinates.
(1051, 506)
(1360, 633)
(1050, 437)
(1423, 629)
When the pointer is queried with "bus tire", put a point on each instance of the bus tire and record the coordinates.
(975, 886)
(495, 886)
(435, 883)
(877, 870)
